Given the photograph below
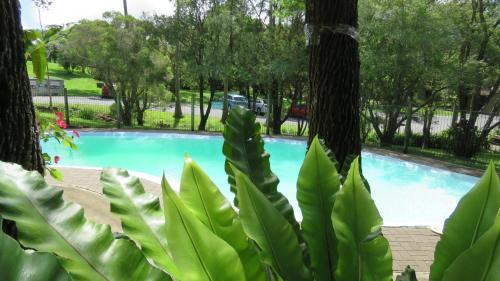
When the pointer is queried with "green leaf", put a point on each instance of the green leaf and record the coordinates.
(407, 275)
(87, 250)
(244, 149)
(206, 202)
(55, 174)
(19, 265)
(317, 185)
(141, 216)
(363, 252)
(199, 253)
(481, 262)
(270, 230)
(473, 216)
(39, 58)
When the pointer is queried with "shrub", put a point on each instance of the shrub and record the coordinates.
(113, 110)
(86, 113)
(438, 141)
(198, 235)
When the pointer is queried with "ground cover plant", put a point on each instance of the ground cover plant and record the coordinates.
(198, 235)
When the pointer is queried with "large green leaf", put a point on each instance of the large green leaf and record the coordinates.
(473, 216)
(244, 149)
(141, 216)
(317, 185)
(39, 59)
(481, 262)
(204, 199)
(198, 253)
(19, 265)
(363, 252)
(270, 230)
(87, 250)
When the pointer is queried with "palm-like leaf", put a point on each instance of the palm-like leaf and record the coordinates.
(141, 216)
(244, 149)
(196, 250)
(206, 202)
(363, 253)
(317, 185)
(19, 265)
(473, 216)
(87, 250)
(270, 230)
(481, 262)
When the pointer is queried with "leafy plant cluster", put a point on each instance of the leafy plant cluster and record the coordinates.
(196, 234)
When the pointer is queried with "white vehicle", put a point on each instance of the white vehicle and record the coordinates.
(260, 107)
(235, 100)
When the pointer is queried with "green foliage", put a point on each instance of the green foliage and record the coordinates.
(244, 149)
(474, 215)
(17, 264)
(199, 253)
(363, 252)
(141, 216)
(317, 185)
(208, 204)
(35, 50)
(199, 236)
(46, 223)
(481, 262)
(268, 228)
(86, 113)
(407, 275)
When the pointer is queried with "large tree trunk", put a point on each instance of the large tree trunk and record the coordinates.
(334, 77)
(18, 128)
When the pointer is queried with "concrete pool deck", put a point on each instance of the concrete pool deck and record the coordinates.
(411, 245)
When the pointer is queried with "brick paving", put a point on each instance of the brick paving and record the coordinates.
(411, 245)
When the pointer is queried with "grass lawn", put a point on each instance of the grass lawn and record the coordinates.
(480, 161)
(77, 83)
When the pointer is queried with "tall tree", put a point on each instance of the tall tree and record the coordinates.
(18, 127)
(334, 75)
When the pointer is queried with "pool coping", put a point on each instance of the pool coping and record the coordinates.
(426, 161)
(381, 151)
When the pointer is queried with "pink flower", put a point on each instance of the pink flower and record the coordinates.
(56, 159)
(75, 132)
(61, 124)
(59, 115)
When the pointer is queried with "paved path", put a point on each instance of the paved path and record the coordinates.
(410, 245)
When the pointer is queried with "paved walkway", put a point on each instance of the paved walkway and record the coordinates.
(410, 245)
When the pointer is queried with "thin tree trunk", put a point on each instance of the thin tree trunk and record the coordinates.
(224, 102)
(334, 77)
(177, 87)
(177, 72)
(408, 126)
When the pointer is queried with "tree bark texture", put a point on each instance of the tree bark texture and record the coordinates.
(18, 128)
(334, 77)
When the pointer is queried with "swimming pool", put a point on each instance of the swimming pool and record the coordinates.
(405, 193)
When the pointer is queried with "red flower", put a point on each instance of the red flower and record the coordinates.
(75, 132)
(59, 115)
(56, 159)
(62, 124)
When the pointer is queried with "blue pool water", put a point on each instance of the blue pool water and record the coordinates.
(405, 193)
